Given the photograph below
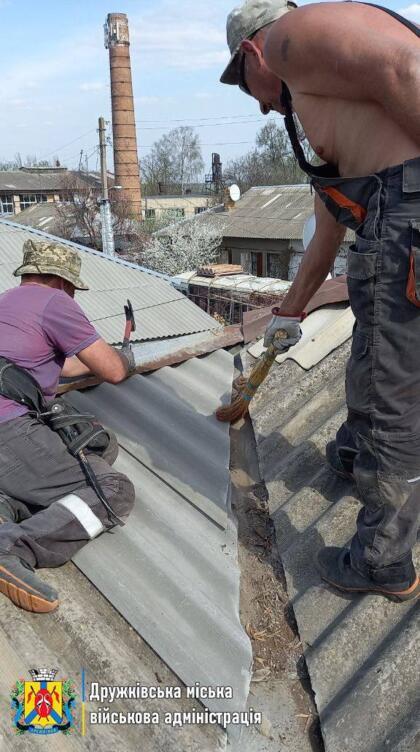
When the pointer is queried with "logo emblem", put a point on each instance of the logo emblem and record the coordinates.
(43, 705)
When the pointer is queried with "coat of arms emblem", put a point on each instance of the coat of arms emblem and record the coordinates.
(43, 705)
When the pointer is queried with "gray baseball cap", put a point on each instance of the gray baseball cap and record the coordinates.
(243, 22)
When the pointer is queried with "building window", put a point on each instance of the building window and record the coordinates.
(256, 264)
(199, 209)
(150, 213)
(6, 204)
(28, 199)
(275, 265)
(173, 213)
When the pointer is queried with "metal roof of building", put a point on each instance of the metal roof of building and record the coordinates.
(362, 653)
(160, 309)
(276, 212)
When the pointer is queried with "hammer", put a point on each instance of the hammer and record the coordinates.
(130, 323)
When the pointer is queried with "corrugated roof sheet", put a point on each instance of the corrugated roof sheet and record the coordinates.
(362, 653)
(276, 212)
(39, 181)
(161, 310)
(40, 216)
(171, 571)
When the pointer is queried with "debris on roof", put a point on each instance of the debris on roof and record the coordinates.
(362, 653)
(220, 270)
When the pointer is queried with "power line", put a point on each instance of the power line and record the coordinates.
(203, 125)
(189, 119)
(60, 148)
(223, 143)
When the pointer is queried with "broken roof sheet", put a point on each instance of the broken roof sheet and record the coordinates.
(362, 653)
(172, 570)
(161, 310)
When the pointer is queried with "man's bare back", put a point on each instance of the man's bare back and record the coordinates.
(359, 135)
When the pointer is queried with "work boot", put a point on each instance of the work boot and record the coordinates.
(340, 461)
(24, 588)
(335, 568)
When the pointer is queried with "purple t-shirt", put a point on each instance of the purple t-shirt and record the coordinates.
(39, 328)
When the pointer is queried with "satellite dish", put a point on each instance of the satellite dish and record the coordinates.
(309, 230)
(234, 192)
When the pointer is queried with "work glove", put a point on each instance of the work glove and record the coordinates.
(127, 352)
(290, 324)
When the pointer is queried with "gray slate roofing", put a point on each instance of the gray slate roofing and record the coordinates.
(161, 311)
(363, 653)
(171, 571)
(39, 216)
(39, 181)
(275, 212)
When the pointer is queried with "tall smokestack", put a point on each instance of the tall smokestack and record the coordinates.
(126, 162)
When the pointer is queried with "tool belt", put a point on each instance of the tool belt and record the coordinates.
(77, 430)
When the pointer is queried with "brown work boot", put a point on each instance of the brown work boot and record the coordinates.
(19, 583)
(335, 568)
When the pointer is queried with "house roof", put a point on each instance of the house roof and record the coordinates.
(362, 653)
(161, 310)
(275, 212)
(171, 572)
(42, 216)
(43, 179)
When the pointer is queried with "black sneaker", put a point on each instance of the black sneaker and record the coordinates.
(24, 588)
(335, 568)
(341, 463)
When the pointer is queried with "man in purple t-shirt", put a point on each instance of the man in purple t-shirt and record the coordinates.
(48, 511)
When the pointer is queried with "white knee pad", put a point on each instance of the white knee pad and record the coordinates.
(83, 513)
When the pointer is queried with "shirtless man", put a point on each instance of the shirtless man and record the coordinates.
(351, 74)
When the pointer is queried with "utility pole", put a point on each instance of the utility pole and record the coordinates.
(108, 246)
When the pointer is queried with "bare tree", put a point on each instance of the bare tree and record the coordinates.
(271, 162)
(174, 159)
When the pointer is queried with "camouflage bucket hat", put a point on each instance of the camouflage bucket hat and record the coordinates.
(51, 258)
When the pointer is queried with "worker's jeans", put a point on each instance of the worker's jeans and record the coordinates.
(383, 376)
(53, 512)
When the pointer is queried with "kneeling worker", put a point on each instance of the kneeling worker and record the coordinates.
(48, 509)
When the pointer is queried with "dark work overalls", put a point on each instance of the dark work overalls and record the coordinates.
(383, 373)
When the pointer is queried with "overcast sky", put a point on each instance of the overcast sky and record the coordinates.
(54, 80)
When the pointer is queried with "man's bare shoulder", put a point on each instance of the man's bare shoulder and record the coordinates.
(324, 46)
(320, 27)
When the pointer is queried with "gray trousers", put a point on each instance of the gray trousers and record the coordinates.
(53, 511)
(383, 374)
